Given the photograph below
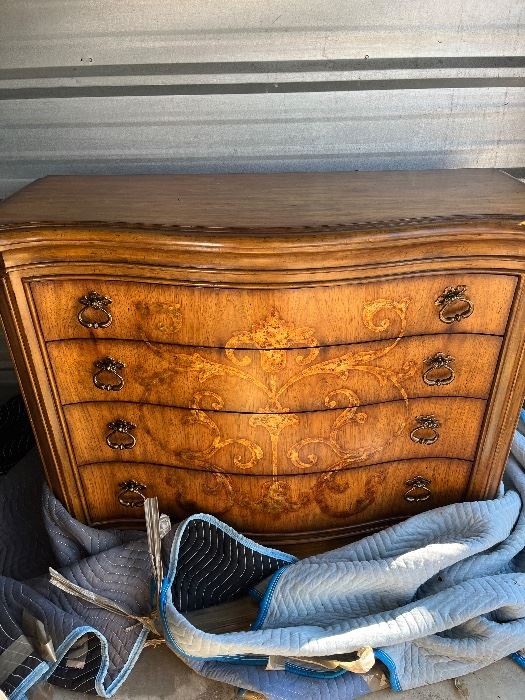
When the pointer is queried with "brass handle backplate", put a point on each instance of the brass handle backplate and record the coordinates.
(94, 312)
(130, 494)
(425, 433)
(454, 305)
(108, 365)
(418, 489)
(121, 429)
(439, 372)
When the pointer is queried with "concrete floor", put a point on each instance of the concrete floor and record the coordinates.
(159, 674)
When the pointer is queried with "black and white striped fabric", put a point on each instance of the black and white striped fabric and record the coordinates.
(213, 567)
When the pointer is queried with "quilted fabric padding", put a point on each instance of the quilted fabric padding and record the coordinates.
(114, 564)
(437, 596)
(83, 681)
(214, 567)
(16, 436)
(281, 685)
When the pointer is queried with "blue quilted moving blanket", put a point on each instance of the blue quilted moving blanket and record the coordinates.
(434, 597)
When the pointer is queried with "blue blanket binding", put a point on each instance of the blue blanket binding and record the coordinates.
(437, 596)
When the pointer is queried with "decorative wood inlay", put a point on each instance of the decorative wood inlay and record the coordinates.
(170, 375)
(291, 504)
(275, 416)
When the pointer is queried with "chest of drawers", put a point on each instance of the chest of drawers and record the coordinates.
(309, 357)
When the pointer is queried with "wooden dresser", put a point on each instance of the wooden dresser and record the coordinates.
(306, 356)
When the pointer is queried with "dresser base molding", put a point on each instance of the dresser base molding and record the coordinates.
(305, 544)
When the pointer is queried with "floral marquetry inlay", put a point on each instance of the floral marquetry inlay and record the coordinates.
(164, 317)
(271, 339)
(273, 336)
(274, 332)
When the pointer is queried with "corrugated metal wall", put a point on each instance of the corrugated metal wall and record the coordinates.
(115, 86)
(139, 86)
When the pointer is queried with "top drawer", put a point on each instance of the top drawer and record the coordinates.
(273, 318)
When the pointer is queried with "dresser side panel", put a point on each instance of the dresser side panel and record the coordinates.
(30, 360)
(506, 400)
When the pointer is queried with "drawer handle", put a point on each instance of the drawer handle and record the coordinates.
(130, 494)
(439, 371)
(97, 303)
(425, 433)
(418, 490)
(121, 428)
(454, 305)
(108, 364)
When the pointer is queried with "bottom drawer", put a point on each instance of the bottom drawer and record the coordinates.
(274, 505)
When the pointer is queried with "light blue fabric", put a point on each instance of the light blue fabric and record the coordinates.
(114, 564)
(281, 685)
(438, 596)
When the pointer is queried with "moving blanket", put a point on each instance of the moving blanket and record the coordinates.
(437, 596)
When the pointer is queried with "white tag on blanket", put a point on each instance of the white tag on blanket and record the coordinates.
(276, 663)
(164, 525)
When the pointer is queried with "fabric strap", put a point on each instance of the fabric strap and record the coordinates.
(13, 657)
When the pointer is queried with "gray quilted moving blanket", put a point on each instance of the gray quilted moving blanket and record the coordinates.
(435, 597)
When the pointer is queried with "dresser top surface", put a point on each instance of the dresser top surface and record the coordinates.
(266, 200)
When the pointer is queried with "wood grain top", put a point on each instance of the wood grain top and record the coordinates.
(266, 200)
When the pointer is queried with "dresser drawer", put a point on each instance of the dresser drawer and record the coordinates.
(282, 504)
(276, 381)
(259, 443)
(272, 318)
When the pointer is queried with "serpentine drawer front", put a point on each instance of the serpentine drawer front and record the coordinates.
(273, 318)
(270, 443)
(291, 504)
(307, 356)
(273, 381)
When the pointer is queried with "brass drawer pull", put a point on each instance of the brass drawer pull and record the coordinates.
(121, 428)
(425, 433)
(454, 305)
(111, 366)
(98, 304)
(439, 371)
(130, 494)
(418, 490)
